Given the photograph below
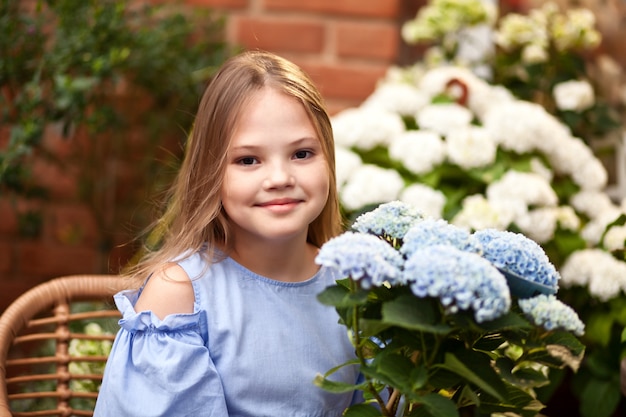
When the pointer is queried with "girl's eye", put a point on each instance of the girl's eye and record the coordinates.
(302, 154)
(248, 160)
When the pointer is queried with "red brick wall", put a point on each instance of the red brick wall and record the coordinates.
(345, 45)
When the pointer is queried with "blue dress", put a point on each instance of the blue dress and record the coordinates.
(251, 348)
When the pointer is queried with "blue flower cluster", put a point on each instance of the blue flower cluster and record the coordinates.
(431, 232)
(514, 252)
(362, 257)
(461, 280)
(549, 312)
(392, 219)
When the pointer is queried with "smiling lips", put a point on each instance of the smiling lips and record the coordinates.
(280, 205)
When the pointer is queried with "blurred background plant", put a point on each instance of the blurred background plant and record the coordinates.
(118, 80)
(478, 136)
(548, 56)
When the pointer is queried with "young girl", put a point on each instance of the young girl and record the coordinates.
(228, 323)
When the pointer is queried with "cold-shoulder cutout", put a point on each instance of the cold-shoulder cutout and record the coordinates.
(168, 291)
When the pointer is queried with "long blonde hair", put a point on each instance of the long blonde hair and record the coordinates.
(193, 219)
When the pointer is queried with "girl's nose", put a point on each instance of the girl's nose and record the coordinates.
(279, 176)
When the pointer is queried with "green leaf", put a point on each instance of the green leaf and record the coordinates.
(393, 369)
(333, 386)
(567, 340)
(362, 410)
(413, 313)
(509, 321)
(370, 328)
(517, 402)
(476, 369)
(599, 398)
(340, 297)
(435, 405)
(523, 377)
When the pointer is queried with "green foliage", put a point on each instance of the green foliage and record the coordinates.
(442, 362)
(110, 70)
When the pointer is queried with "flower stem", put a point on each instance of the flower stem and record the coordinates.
(354, 287)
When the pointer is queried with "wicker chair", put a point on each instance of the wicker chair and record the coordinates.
(36, 335)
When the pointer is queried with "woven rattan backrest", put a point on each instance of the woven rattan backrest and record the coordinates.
(40, 334)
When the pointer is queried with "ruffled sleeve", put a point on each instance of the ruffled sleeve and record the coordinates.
(159, 367)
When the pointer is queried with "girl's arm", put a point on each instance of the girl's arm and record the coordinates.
(167, 292)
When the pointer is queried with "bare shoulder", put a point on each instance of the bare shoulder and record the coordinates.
(168, 291)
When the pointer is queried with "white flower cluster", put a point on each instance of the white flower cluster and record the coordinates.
(602, 274)
(546, 27)
(599, 209)
(395, 146)
(575, 95)
(441, 17)
(466, 134)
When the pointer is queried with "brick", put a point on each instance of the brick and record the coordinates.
(73, 224)
(367, 40)
(228, 4)
(352, 8)
(345, 82)
(52, 260)
(5, 134)
(55, 142)
(8, 217)
(6, 258)
(59, 182)
(11, 290)
(280, 35)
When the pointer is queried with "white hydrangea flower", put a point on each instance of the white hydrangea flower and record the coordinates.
(592, 203)
(397, 97)
(615, 238)
(418, 150)
(364, 128)
(592, 175)
(525, 187)
(567, 218)
(443, 118)
(516, 30)
(571, 156)
(346, 162)
(538, 167)
(436, 80)
(575, 30)
(483, 97)
(478, 213)
(426, 199)
(409, 75)
(471, 147)
(522, 126)
(592, 231)
(574, 95)
(535, 53)
(596, 269)
(371, 184)
(539, 224)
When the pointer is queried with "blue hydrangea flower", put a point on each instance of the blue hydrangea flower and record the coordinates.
(362, 257)
(389, 219)
(431, 232)
(551, 313)
(461, 280)
(518, 254)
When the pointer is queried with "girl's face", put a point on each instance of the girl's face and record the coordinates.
(276, 181)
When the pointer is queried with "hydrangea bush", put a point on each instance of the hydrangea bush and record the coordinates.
(435, 324)
(504, 153)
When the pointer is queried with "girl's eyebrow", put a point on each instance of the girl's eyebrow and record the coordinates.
(298, 142)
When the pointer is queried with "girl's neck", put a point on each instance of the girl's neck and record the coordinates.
(288, 261)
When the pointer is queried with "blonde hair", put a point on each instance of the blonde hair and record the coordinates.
(194, 219)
